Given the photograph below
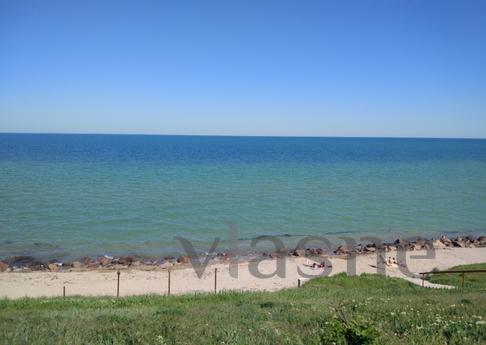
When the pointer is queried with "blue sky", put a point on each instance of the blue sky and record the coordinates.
(248, 67)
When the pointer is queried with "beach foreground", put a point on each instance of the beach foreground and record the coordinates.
(184, 279)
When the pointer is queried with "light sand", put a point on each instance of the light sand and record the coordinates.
(185, 280)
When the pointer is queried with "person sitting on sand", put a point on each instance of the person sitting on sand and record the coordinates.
(316, 265)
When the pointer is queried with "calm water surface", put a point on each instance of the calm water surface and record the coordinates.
(67, 196)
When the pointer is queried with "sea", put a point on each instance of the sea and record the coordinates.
(65, 196)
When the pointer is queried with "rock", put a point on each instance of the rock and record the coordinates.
(481, 241)
(299, 252)
(137, 263)
(459, 242)
(184, 259)
(21, 261)
(104, 261)
(25, 262)
(165, 264)
(86, 260)
(415, 246)
(314, 251)
(344, 250)
(446, 241)
(3, 266)
(438, 244)
(53, 267)
(126, 260)
(369, 249)
(420, 242)
(77, 264)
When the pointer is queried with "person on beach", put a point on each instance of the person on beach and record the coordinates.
(316, 265)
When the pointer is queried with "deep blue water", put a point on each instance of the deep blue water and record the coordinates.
(73, 195)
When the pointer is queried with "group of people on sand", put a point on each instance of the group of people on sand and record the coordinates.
(391, 261)
(316, 266)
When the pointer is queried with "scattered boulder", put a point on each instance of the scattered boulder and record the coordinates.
(399, 243)
(481, 241)
(184, 259)
(77, 264)
(314, 251)
(3, 266)
(126, 260)
(438, 244)
(415, 246)
(93, 265)
(299, 252)
(389, 248)
(369, 248)
(165, 264)
(459, 242)
(25, 262)
(53, 267)
(86, 260)
(104, 261)
(446, 241)
(344, 250)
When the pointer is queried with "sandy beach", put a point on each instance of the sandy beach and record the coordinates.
(184, 279)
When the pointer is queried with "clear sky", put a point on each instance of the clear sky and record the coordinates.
(244, 67)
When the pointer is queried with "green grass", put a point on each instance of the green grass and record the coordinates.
(472, 280)
(377, 309)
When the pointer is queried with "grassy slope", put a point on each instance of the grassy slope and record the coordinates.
(400, 312)
(472, 280)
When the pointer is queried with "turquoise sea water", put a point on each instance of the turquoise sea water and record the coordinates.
(66, 196)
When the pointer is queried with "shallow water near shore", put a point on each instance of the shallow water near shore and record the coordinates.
(67, 196)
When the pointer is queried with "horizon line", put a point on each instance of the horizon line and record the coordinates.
(244, 135)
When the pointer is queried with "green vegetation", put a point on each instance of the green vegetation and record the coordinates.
(472, 280)
(368, 309)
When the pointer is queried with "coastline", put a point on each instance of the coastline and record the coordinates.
(31, 263)
(145, 279)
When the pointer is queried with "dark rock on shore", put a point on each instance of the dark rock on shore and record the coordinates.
(29, 262)
(53, 267)
(184, 259)
(126, 260)
(344, 250)
(298, 252)
(3, 266)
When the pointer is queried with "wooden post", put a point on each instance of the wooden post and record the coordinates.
(64, 291)
(215, 279)
(168, 282)
(118, 284)
(462, 280)
(423, 277)
(298, 282)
